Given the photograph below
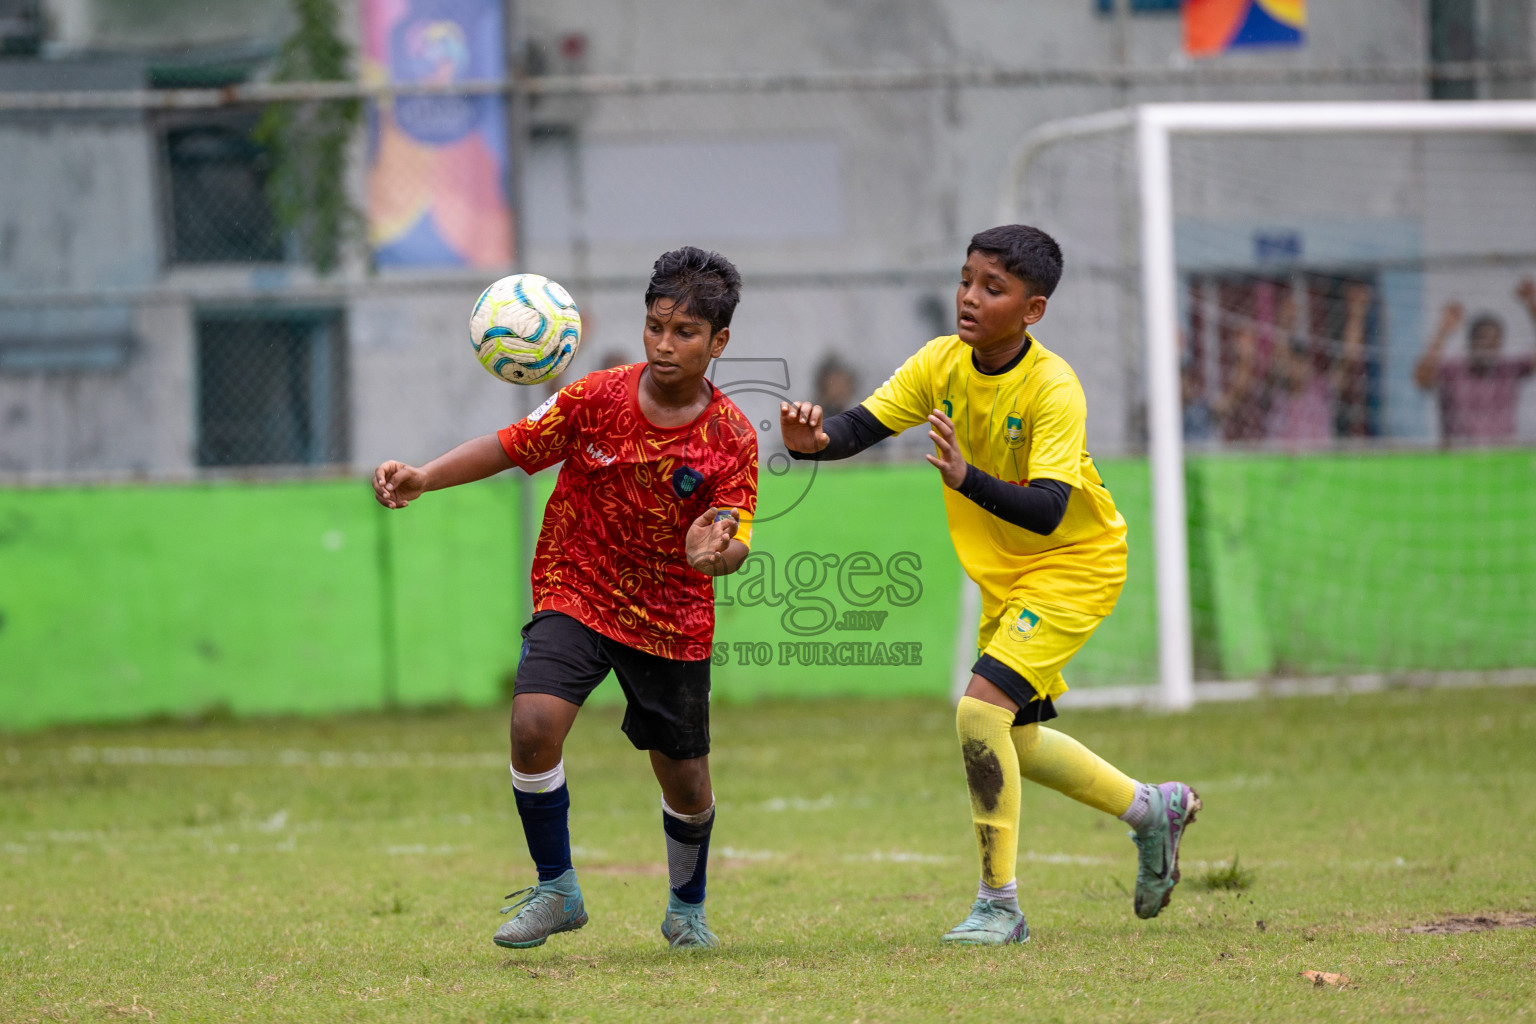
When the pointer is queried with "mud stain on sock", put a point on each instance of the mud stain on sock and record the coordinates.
(983, 772)
(987, 836)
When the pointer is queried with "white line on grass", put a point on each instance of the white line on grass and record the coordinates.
(1313, 686)
(1066, 858)
(899, 857)
(227, 757)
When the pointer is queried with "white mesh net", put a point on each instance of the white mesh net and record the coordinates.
(1357, 318)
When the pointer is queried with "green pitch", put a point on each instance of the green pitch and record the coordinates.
(351, 870)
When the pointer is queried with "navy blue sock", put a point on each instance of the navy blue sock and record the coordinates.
(687, 855)
(546, 826)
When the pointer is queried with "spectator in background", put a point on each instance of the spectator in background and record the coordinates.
(1478, 393)
(1200, 421)
(1240, 406)
(835, 387)
(1307, 380)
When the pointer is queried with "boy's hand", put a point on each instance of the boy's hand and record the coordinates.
(800, 426)
(1450, 317)
(396, 485)
(707, 540)
(951, 464)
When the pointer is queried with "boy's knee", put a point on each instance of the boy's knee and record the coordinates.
(535, 740)
(693, 795)
(975, 719)
(685, 783)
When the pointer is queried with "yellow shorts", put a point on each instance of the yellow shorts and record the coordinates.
(1036, 641)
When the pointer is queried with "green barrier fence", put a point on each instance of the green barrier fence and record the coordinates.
(1315, 565)
(120, 602)
(306, 597)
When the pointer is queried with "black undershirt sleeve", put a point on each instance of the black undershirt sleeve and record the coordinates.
(848, 433)
(1038, 508)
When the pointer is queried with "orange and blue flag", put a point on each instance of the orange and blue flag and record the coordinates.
(1216, 26)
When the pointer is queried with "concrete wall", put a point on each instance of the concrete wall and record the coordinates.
(79, 214)
(920, 172)
(847, 212)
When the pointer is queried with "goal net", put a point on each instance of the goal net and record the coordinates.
(1308, 332)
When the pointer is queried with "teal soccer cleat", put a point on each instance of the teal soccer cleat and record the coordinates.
(546, 908)
(1157, 845)
(991, 923)
(684, 926)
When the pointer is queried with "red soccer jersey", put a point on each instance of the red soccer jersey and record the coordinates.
(610, 553)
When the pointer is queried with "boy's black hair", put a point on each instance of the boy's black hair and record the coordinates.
(1027, 253)
(706, 284)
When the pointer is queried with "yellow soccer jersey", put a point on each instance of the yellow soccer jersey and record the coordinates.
(1022, 425)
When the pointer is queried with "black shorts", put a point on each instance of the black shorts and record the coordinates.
(668, 699)
(1032, 706)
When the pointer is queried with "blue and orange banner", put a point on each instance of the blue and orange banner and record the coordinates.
(1213, 27)
(437, 165)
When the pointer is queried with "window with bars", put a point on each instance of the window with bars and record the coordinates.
(216, 183)
(21, 26)
(1452, 38)
(272, 387)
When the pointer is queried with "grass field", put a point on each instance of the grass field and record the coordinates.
(351, 869)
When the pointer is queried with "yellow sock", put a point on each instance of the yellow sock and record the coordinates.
(1057, 760)
(992, 774)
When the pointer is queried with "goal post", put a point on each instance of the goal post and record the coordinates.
(1145, 137)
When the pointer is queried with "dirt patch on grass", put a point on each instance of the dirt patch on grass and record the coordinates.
(1458, 924)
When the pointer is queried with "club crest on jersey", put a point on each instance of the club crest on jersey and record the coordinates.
(1025, 626)
(686, 480)
(1013, 429)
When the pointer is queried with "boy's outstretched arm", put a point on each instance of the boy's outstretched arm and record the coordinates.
(1038, 507)
(847, 433)
(396, 484)
(1426, 371)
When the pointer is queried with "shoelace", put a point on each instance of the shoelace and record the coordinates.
(691, 922)
(532, 893)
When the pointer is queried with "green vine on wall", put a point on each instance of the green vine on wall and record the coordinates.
(308, 141)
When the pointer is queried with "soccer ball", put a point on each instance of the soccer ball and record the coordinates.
(525, 329)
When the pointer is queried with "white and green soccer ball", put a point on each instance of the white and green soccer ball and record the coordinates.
(525, 329)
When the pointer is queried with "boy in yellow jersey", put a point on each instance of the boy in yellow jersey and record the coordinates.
(1035, 527)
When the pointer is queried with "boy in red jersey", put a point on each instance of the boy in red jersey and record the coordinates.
(655, 496)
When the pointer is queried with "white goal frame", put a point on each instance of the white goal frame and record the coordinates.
(1155, 125)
